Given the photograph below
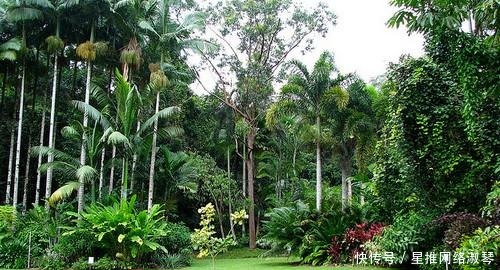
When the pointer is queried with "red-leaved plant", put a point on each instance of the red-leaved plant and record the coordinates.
(354, 238)
(335, 249)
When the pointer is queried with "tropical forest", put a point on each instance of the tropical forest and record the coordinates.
(228, 134)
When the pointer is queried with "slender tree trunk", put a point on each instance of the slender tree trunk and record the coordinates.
(83, 152)
(19, 138)
(244, 177)
(112, 170)
(134, 163)
(124, 189)
(244, 174)
(318, 165)
(27, 177)
(231, 223)
(153, 155)
(9, 170)
(250, 169)
(38, 173)
(101, 173)
(345, 168)
(52, 124)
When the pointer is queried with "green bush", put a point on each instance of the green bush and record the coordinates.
(174, 260)
(318, 238)
(286, 227)
(106, 263)
(50, 262)
(13, 253)
(177, 239)
(487, 240)
(40, 226)
(71, 247)
(7, 214)
(122, 231)
(81, 264)
(402, 237)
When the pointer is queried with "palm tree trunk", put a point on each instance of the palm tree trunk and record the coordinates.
(318, 165)
(134, 163)
(112, 171)
(124, 189)
(9, 170)
(83, 152)
(345, 169)
(38, 173)
(27, 177)
(250, 169)
(52, 123)
(153, 155)
(19, 137)
(101, 173)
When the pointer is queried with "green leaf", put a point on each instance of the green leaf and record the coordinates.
(121, 237)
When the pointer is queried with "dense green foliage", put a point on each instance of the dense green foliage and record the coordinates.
(123, 231)
(98, 97)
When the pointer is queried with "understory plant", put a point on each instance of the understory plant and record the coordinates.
(485, 243)
(402, 237)
(204, 239)
(122, 231)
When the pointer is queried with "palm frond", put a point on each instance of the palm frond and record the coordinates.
(63, 192)
(13, 44)
(170, 132)
(58, 155)
(8, 55)
(19, 14)
(117, 137)
(279, 109)
(337, 95)
(194, 21)
(163, 114)
(85, 173)
(92, 112)
(300, 68)
(70, 132)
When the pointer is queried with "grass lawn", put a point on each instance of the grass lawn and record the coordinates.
(272, 263)
(243, 259)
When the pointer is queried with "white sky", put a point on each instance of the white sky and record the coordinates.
(360, 41)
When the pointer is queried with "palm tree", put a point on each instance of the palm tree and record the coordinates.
(22, 12)
(306, 92)
(128, 104)
(9, 52)
(70, 166)
(88, 51)
(353, 134)
(178, 174)
(171, 38)
(54, 46)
